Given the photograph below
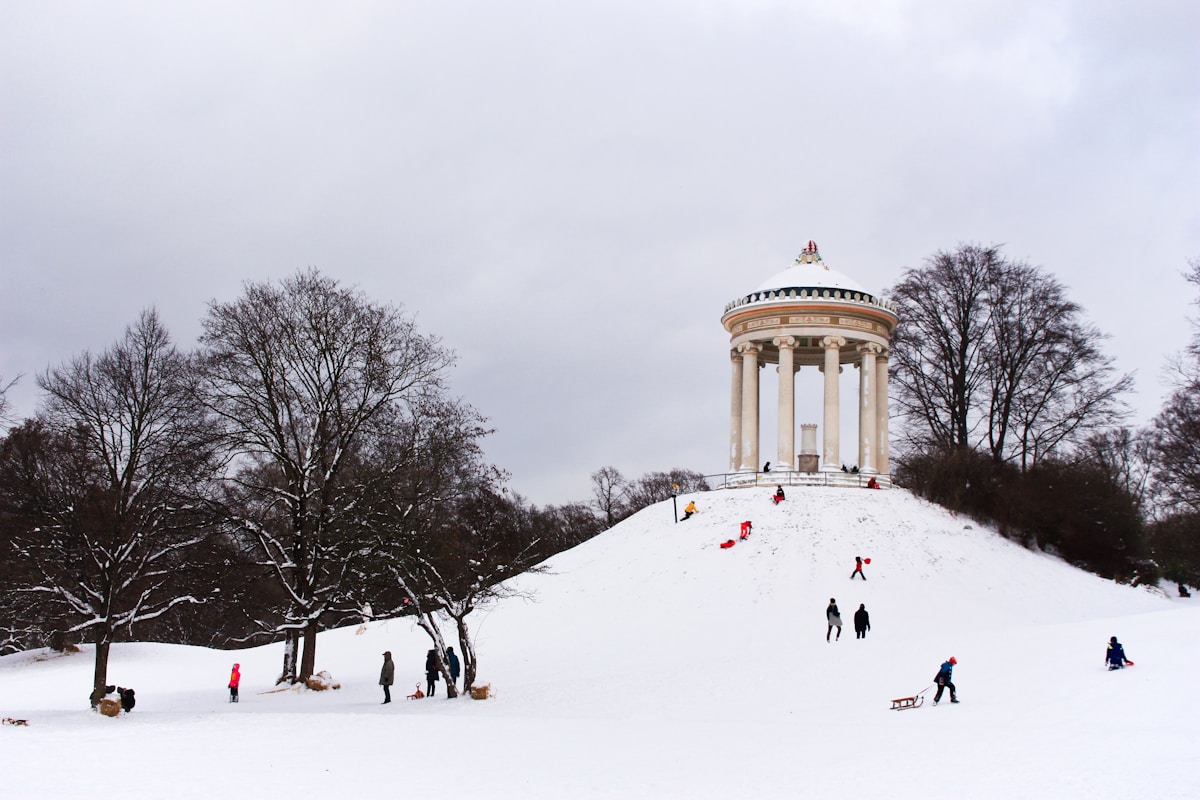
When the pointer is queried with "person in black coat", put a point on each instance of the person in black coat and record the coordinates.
(862, 622)
(387, 675)
(454, 666)
(432, 668)
(834, 618)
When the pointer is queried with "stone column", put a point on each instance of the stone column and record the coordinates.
(749, 351)
(881, 414)
(831, 453)
(866, 407)
(787, 403)
(735, 413)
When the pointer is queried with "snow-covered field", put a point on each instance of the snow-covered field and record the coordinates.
(653, 664)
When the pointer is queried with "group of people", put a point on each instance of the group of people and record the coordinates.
(433, 669)
(833, 618)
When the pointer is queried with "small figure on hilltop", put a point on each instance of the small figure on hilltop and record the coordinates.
(834, 618)
(235, 680)
(454, 665)
(858, 569)
(778, 497)
(432, 668)
(767, 467)
(1116, 655)
(386, 676)
(942, 679)
(862, 622)
(872, 483)
(688, 510)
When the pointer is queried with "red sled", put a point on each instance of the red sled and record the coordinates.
(728, 544)
(866, 561)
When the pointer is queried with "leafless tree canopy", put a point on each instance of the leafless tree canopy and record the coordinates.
(1176, 430)
(990, 355)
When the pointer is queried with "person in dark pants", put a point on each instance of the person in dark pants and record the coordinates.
(432, 668)
(942, 679)
(858, 569)
(1116, 655)
(387, 675)
(235, 680)
(454, 666)
(834, 618)
(862, 622)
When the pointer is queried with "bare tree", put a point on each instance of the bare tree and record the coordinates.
(124, 444)
(297, 371)
(991, 354)
(938, 349)
(1175, 433)
(609, 494)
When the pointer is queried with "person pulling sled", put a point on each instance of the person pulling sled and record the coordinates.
(942, 679)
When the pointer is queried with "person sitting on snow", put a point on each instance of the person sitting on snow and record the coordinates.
(689, 510)
(1116, 655)
(777, 498)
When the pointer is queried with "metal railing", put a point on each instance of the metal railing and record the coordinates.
(740, 480)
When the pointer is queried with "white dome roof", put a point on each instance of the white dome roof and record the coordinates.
(809, 276)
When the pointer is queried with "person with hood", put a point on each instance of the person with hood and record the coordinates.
(858, 562)
(432, 668)
(454, 665)
(387, 676)
(235, 680)
(834, 618)
(942, 679)
(1116, 655)
(862, 622)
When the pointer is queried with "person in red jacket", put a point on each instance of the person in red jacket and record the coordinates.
(235, 679)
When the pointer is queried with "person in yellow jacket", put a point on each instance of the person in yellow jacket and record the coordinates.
(689, 510)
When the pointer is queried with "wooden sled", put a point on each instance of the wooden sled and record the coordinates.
(901, 703)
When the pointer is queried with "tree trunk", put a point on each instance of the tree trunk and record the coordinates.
(467, 647)
(100, 675)
(290, 645)
(426, 621)
(309, 662)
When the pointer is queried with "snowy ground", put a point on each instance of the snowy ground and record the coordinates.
(651, 663)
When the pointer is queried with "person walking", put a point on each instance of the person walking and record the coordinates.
(942, 679)
(235, 680)
(834, 618)
(858, 564)
(454, 666)
(387, 676)
(862, 622)
(432, 668)
(1116, 655)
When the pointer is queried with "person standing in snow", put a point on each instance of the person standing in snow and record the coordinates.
(834, 618)
(432, 668)
(387, 676)
(1116, 655)
(862, 622)
(942, 679)
(454, 666)
(689, 510)
(235, 680)
(858, 569)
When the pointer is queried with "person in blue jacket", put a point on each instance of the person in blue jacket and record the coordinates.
(942, 679)
(1116, 655)
(454, 665)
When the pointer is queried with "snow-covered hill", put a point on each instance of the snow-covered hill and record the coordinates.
(651, 663)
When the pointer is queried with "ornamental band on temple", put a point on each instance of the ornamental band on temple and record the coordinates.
(809, 315)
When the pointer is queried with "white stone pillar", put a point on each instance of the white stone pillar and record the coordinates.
(735, 413)
(881, 414)
(786, 453)
(866, 407)
(831, 453)
(749, 351)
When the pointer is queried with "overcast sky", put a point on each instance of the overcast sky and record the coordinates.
(568, 193)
